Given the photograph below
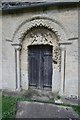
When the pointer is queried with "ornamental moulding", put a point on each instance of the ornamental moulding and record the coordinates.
(35, 37)
(46, 22)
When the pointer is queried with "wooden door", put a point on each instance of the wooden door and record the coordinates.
(40, 66)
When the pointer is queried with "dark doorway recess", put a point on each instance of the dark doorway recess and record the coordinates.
(40, 66)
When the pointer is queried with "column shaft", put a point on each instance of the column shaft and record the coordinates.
(18, 69)
(62, 71)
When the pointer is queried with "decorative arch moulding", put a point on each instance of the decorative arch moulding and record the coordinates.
(38, 21)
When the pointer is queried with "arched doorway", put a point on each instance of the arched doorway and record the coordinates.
(40, 49)
(40, 66)
(37, 31)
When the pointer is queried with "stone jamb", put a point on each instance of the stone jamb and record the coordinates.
(63, 65)
(63, 50)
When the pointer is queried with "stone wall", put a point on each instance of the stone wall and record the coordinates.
(66, 18)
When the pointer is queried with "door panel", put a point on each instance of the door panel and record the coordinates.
(40, 66)
(33, 76)
(47, 70)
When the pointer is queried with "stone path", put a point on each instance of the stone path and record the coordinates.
(43, 110)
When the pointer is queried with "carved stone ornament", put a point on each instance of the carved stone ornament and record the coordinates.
(41, 36)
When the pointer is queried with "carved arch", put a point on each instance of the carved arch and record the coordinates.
(49, 23)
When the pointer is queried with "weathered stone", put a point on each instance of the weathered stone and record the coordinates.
(57, 27)
(43, 110)
(59, 101)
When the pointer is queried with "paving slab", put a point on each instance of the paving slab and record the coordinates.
(43, 110)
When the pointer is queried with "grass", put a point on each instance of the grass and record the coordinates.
(9, 106)
(0, 105)
(0, 109)
(76, 109)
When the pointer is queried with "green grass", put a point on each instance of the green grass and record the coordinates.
(9, 106)
(0, 109)
(76, 109)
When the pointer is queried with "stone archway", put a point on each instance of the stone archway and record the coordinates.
(22, 34)
(40, 35)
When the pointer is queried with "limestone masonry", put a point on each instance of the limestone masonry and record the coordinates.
(40, 24)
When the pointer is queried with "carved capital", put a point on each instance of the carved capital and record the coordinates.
(17, 46)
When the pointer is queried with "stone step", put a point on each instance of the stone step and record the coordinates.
(41, 95)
